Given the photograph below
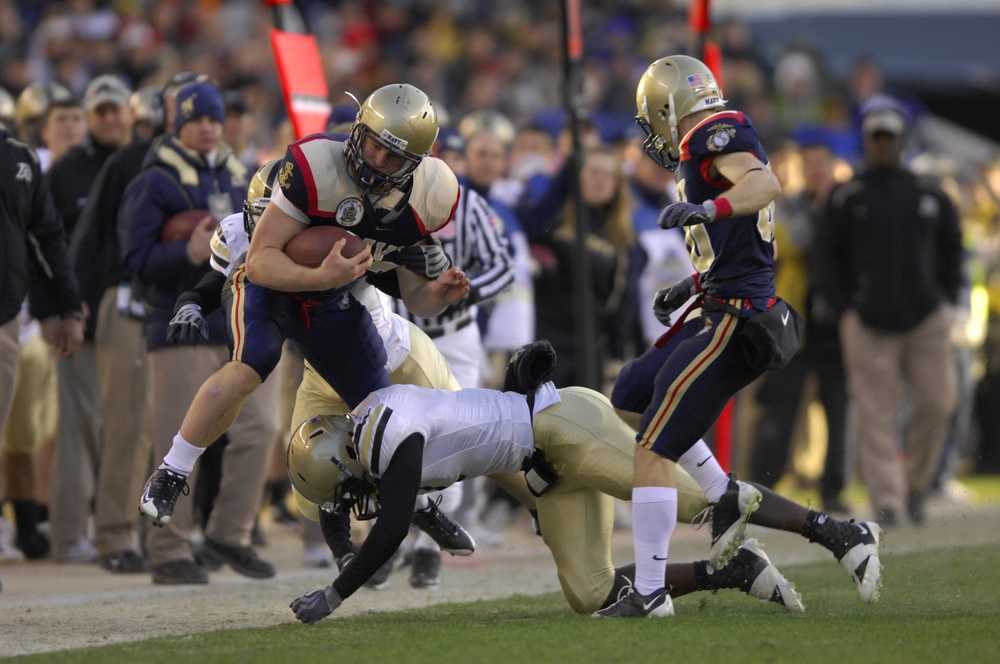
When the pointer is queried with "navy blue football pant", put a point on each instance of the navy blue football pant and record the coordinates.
(337, 337)
(682, 382)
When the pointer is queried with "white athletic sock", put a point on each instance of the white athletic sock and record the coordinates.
(654, 517)
(701, 464)
(182, 455)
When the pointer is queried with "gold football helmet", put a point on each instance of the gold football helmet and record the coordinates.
(259, 194)
(323, 466)
(147, 106)
(32, 104)
(399, 118)
(671, 89)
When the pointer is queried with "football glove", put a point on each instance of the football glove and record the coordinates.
(315, 605)
(429, 259)
(186, 325)
(529, 366)
(682, 213)
(670, 299)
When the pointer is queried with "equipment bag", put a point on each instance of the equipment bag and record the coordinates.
(770, 339)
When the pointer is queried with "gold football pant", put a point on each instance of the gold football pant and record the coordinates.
(592, 450)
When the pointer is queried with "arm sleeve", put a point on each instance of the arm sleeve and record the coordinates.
(337, 532)
(397, 495)
(207, 294)
(56, 291)
(144, 210)
(539, 215)
(490, 250)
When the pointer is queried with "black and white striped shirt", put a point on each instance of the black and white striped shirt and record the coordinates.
(476, 243)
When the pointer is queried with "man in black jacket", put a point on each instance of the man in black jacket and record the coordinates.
(888, 262)
(33, 252)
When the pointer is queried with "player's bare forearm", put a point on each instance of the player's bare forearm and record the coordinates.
(754, 186)
(270, 267)
(429, 297)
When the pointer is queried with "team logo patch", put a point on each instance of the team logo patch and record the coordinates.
(285, 176)
(350, 211)
(720, 137)
(187, 106)
(23, 173)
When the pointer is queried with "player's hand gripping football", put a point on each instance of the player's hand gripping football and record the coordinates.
(336, 270)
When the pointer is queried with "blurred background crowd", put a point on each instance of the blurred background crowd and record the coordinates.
(496, 74)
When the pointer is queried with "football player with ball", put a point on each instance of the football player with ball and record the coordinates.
(376, 184)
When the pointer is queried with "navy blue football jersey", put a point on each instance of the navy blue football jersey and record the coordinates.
(734, 256)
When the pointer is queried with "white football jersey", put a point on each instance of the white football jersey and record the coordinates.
(467, 433)
(229, 242)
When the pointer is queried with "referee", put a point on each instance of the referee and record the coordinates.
(476, 244)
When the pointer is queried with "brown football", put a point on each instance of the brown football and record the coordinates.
(312, 245)
(181, 225)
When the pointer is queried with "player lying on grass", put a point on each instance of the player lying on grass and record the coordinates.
(577, 454)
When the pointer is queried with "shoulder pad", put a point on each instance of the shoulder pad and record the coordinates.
(314, 177)
(435, 193)
(722, 133)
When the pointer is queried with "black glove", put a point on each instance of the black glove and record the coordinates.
(187, 324)
(316, 605)
(529, 366)
(669, 299)
(686, 214)
(429, 259)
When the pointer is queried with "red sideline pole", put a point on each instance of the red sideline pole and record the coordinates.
(724, 437)
(699, 23)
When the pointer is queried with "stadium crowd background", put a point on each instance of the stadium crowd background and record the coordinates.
(506, 58)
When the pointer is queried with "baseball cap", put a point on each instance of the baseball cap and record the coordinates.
(106, 89)
(885, 114)
(450, 139)
(884, 120)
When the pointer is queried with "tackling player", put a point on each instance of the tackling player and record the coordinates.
(577, 454)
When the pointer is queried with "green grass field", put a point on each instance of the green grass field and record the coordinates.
(938, 606)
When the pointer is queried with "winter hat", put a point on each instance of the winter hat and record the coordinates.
(196, 100)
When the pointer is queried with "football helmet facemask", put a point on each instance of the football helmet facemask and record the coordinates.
(323, 467)
(671, 89)
(399, 118)
(259, 194)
